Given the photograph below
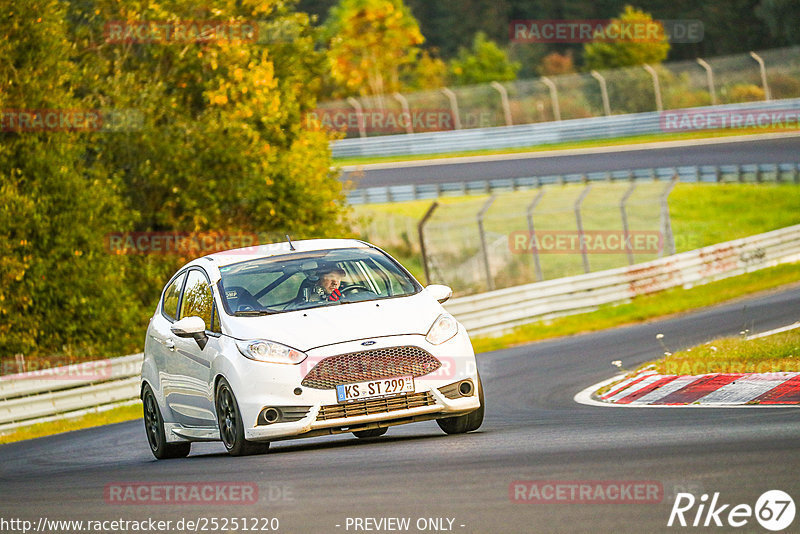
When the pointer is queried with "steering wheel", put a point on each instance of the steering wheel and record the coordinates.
(356, 289)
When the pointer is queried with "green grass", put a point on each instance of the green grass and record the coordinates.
(701, 214)
(646, 307)
(631, 140)
(107, 417)
(778, 352)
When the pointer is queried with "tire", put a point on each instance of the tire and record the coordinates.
(231, 428)
(461, 424)
(154, 428)
(371, 433)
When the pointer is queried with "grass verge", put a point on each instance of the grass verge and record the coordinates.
(107, 417)
(771, 354)
(593, 143)
(658, 305)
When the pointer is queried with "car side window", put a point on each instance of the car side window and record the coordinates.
(171, 297)
(197, 298)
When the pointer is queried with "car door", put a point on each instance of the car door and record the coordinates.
(160, 342)
(192, 397)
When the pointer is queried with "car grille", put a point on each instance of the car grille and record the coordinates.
(373, 406)
(370, 365)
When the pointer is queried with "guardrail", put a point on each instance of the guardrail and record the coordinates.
(527, 135)
(69, 390)
(762, 172)
(496, 311)
(56, 393)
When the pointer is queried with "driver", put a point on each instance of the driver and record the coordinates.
(327, 286)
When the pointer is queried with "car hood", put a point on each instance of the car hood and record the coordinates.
(308, 329)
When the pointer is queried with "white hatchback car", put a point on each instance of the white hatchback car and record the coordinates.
(302, 339)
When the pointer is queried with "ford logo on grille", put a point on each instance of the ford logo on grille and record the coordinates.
(368, 343)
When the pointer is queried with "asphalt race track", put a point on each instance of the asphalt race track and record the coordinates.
(533, 431)
(778, 150)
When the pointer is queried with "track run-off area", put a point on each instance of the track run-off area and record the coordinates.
(533, 431)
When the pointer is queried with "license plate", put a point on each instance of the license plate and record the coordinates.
(375, 388)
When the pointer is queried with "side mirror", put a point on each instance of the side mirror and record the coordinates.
(439, 292)
(192, 326)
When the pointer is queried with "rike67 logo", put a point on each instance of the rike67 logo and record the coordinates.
(774, 510)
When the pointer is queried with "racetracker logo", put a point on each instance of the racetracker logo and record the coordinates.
(586, 492)
(605, 30)
(387, 121)
(181, 32)
(774, 510)
(179, 243)
(54, 369)
(682, 121)
(203, 493)
(70, 120)
(589, 241)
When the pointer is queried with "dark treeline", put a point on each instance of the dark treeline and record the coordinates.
(731, 26)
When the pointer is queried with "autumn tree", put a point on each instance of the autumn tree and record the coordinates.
(606, 52)
(370, 43)
(61, 292)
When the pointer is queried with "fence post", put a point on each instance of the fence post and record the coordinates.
(451, 96)
(603, 92)
(763, 69)
(406, 111)
(484, 249)
(553, 97)
(362, 130)
(420, 231)
(579, 223)
(504, 100)
(666, 225)
(656, 86)
(532, 231)
(710, 79)
(625, 230)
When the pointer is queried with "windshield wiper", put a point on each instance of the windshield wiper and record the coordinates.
(254, 313)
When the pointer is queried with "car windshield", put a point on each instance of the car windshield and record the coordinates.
(312, 279)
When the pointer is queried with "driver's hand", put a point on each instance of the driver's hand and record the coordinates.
(335, 295)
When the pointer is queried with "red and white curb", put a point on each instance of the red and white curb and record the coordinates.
(648, 389)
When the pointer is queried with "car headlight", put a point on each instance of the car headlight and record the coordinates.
(443, 328)
(269, 351)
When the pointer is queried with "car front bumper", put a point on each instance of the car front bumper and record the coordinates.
(312, 425)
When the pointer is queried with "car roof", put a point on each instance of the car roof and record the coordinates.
(228, 257)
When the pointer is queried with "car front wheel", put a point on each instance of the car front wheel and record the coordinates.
(464, 423)
(154, 426)
(231, 428)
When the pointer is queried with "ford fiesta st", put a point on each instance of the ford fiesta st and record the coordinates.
(302, 339)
